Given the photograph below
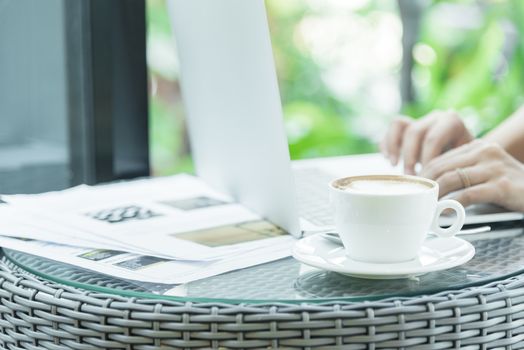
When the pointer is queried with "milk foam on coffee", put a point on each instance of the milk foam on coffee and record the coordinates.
(384, 187)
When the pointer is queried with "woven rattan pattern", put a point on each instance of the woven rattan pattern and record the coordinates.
(36, 314)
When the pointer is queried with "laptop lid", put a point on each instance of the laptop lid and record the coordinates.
(232, 103)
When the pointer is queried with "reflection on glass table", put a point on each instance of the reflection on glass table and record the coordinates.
(498, 256)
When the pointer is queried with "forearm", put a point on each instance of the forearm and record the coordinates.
(510, 135)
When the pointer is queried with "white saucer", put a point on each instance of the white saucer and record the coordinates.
(436, 254)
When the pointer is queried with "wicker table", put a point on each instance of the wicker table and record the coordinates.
(480, 305)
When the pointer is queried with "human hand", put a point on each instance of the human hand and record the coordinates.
(481, 172)
(423, 139)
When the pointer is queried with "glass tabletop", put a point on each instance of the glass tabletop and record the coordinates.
(498, 256)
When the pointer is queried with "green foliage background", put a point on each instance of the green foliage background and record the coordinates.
(473, 65)
(477, 71)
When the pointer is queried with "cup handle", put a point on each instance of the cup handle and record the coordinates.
(457, 225)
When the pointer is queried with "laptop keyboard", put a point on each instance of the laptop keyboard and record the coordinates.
(313, 195)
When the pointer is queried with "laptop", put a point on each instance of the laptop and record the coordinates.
(235, 123)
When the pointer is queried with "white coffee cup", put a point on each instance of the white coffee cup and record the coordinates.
(386, 218)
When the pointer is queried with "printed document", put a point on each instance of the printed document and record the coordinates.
(177, 217)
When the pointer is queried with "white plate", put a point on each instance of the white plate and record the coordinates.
(436, 254)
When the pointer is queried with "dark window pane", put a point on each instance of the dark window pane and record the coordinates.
(73, 93)
(34, 129)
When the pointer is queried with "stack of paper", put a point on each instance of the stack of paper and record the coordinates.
(161, 230)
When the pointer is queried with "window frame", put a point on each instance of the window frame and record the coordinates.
(107, 90)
